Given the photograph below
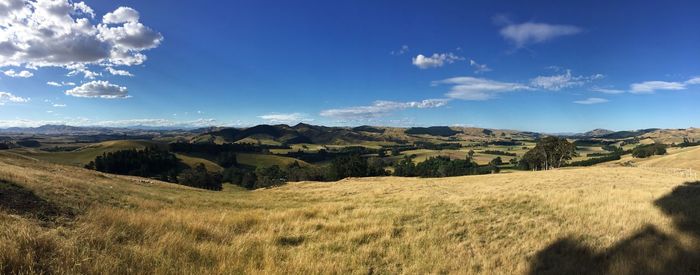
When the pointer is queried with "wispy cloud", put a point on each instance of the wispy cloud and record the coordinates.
(607, 90)
(381, 108)
(649, 87)
(286, 118)
(591, 100)
(561, 81)
(472, 88)
(6, 97)
(479, 68)
(404, 49)
(531, 33)
(56, 84)
(435, 60)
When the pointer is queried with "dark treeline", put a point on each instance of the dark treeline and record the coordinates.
(28, 143)
(648, 150)
(438, 167)
(340, 168)
(500, 153)
(593, 161)
(149, 162)
(688, 142)
(328, 155)
(504, 143)
(153, 162)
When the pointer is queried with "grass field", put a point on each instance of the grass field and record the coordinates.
(616, 220)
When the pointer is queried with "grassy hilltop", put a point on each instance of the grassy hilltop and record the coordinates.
(619, 220)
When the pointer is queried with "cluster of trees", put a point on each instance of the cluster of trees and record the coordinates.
(153, 162)
(441, 166)
(501, 153)
(593, 161)
(28, 143)
(549, 153)
(199, 177)
(648, 150)
(340, 168)
(149, 162)
(687, 143)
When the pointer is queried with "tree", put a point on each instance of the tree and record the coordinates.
(470, 154)
(549, 153)
(405, 167)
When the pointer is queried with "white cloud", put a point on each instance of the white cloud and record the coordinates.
(22, 74)
(479, 68)
(381, 108)
(648, 87)
(694, 80)
(530, 33)
(114, 71)
(436, 60)
(286, 118)
(99, 89)
(59, 105)
(607, 90)
(6, 97)
(58, 33)
(472, 88)
(56, 84)
(404, 49)
(592, 100)
(121, 15)
(558, 82)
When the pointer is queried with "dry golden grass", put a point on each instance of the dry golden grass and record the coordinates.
(601, 220)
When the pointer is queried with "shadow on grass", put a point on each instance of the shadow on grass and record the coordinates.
(649, 251)
(17, 200)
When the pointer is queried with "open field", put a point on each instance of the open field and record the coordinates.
(617, 220)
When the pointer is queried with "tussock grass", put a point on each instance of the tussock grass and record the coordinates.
(530, 222)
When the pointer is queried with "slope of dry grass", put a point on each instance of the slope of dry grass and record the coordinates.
(602, 220)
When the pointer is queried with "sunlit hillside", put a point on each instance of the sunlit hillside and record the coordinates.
(64, 219)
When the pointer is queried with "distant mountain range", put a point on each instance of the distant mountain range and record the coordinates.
(307, 133)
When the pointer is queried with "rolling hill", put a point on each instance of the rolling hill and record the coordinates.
(84, 155)
(598, 220)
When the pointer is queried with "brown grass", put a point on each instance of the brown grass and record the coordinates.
(529, 222)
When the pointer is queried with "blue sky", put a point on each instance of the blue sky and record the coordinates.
(538, 66)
